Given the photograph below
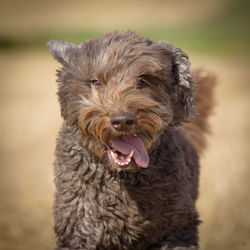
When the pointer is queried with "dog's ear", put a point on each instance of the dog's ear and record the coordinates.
(62, 51)
(183, 106)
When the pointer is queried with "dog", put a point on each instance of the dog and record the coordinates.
(127, 164)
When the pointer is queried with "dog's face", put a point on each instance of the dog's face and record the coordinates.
(120, 91)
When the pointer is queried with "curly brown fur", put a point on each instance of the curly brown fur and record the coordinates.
(122, 91)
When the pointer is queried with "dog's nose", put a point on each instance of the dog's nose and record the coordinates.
(122, 121)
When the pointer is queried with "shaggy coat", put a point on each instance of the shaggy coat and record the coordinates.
(117, 92)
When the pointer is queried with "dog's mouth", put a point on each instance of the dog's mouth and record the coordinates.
(125, 149)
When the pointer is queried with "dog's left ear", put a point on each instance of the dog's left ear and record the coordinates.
(183, 106)
(62, 51)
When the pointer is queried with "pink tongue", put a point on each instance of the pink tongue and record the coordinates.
(128, 143)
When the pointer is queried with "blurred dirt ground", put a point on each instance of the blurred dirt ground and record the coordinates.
(30, 120)
(29, 124)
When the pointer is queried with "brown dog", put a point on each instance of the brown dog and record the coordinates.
(126, 172)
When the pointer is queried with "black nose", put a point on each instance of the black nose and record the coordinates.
(123, 121)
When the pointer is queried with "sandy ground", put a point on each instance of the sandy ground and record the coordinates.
(29, 123)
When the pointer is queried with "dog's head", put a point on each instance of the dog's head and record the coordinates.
(120, 91)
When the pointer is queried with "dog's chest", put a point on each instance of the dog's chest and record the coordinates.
(127, 212)
(109, 207)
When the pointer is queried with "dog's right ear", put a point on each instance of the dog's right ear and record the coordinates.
(62, 51)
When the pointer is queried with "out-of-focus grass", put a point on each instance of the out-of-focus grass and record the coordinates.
(37, 40)
(206, 39)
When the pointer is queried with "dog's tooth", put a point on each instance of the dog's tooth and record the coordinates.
(131, 154)
(114, 155)
(127, 161)
(118, 162)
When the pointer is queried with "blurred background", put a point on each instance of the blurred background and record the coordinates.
(214, 33)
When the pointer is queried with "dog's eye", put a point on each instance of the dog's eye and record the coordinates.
(96, 83)
(142, 84)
